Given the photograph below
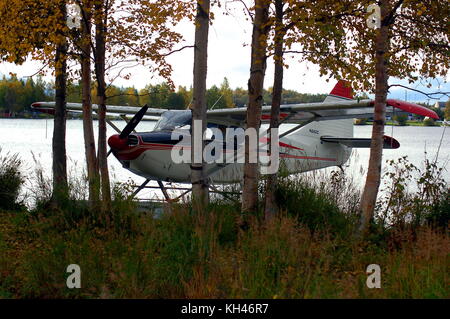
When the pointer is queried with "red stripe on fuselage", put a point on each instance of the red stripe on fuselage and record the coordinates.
(308, 157)
(267, 140)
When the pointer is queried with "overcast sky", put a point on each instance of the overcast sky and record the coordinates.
(229, 56)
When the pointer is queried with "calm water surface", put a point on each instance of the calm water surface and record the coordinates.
(29, 137)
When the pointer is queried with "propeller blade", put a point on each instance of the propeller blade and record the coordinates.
(109, 153)
(134, 122)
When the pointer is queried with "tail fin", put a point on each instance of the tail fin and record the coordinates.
(342, 91)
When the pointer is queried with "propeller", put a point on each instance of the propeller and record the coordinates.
(131, 125)
(119, 140)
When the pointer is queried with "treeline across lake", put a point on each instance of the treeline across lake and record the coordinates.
(16, 95)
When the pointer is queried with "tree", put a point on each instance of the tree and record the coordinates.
(447, 110)
(88, 127)
(187, 95)
(200, 187)
(125, 32)
(176, 101)
(410, 41)
(226, 93)
(401, 119)
(60, 184)
(214, 98)
(383, 53)
(240, 97)
(100, 19)
(429, 122)
(271, 207)
(255, 99)
(43, 37)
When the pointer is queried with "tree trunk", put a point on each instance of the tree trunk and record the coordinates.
(371, 187)
(200, 189)
(255, 100)
(88, 129)
(100, 49)
(60, 186)
(271, 207)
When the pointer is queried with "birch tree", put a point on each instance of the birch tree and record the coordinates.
(38, 30)
(88, 127)
(271, 206)
(406, 39)
(200, 188)
(255, 99)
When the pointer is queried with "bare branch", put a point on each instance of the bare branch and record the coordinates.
(245, 6)
(429, 95)
(178, 50)
(39, 71)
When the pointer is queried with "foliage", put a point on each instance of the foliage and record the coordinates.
(34, 28)
(429, 122)
(360, 121)
(18, 94)
(413, 196)
(315, 201)
(401, 119)
(439, 112)
(335, 35)
(447, 110)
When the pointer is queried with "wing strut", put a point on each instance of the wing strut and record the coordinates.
(292, 130)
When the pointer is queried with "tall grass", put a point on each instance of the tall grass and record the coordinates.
(11, 181)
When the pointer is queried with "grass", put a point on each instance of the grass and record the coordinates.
(306, 252)
(184, 255)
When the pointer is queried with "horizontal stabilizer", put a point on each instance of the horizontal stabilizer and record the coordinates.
(389, 142)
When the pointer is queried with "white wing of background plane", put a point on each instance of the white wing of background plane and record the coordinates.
(289, 114)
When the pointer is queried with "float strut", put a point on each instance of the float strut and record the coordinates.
(141, 187)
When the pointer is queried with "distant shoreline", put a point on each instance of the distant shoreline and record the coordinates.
(408, 123)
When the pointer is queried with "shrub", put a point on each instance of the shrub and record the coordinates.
(440, 212)
(11, 181)
(429, 122)
(406, 205)
(360, 121)
(401, 119)
(315, 203)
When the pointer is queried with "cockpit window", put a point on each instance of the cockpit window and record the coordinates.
(171, 120)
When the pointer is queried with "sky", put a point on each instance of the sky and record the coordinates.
(229, 56)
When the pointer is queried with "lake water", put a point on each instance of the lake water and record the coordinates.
(33, 136)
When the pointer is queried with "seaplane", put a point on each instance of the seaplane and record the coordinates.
(319, 135)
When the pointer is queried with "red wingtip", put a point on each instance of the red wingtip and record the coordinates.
(342, 89)
(412, 108)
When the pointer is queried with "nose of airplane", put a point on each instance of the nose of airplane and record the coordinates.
(116, 143)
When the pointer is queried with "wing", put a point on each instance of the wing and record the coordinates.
(49, 107)
(298, 113)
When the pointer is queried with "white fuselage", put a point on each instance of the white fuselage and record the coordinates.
(299, 152)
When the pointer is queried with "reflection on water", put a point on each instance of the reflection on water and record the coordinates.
(27, 137)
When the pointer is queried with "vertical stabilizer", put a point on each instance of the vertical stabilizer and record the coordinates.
(342, 91)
